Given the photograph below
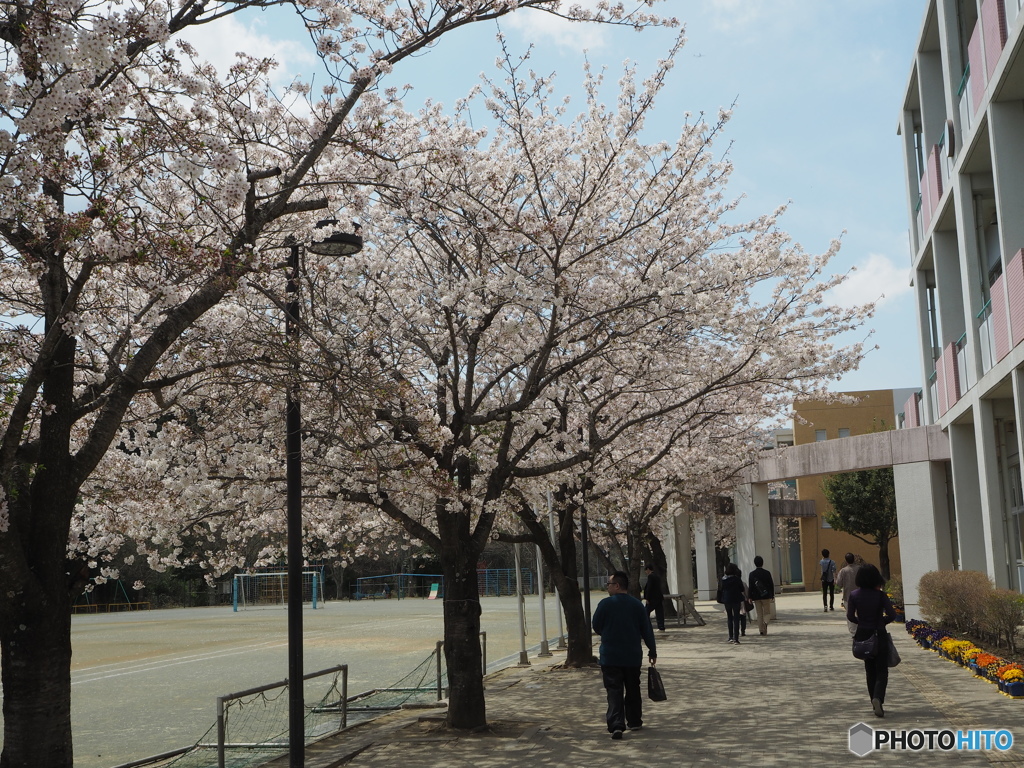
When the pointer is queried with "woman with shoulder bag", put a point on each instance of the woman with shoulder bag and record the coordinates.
(870, 609)
(734, 594)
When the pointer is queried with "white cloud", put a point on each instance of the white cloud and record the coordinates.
(876, 279)
(218, 43)
(538, 27)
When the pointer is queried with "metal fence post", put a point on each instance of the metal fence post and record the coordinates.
(221, 728)
(437, 650)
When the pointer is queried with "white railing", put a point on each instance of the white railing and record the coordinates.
(966, 106)
(919, 219)
(986, 342)
(963, 374)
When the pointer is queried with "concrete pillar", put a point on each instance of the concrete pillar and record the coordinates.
(676, 542)
(753, 525)
(1006, 128)
(967, 495)
(1016, 576)
(993, 526)
(704, 544)
(922, 512)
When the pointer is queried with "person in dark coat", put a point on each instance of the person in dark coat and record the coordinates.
(654, 594)
(622, 622)
(734, 592)
(828, 581)
(761, 588)
(871, 610)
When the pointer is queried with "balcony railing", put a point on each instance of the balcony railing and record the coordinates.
(963, 377)
(986, 343)
(919, 220)
(933, 391)
(965, 103)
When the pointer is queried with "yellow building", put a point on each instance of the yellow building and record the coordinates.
(815, 421)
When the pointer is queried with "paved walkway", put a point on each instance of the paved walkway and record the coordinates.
(787, 699)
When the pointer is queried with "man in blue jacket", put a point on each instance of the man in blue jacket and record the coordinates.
(623, 622)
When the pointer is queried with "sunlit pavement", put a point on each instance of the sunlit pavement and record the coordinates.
(785, 699)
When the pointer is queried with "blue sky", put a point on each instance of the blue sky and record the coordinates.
(817, 87)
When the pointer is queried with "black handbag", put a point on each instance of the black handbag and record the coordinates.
(866, 648)
(655, 686)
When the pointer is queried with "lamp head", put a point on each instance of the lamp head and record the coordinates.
(337, 243)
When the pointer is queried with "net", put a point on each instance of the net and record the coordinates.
(262, 590)
(252, 726)
(398, 585)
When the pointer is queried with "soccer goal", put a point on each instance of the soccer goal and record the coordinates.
(263, 590)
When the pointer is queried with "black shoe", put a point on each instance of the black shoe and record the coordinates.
(831, 608)
(744, 634)
(617, 735)
(876, 704)
(826, 610)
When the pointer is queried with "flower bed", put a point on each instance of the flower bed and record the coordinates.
(1007, 675)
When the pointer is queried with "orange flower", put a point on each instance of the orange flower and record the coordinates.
(986, 659)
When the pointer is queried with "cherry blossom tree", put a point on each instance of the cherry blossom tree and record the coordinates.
(631, 488)
(541, 291)
(140, 193)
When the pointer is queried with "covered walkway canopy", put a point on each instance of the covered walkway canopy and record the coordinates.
(919, 458)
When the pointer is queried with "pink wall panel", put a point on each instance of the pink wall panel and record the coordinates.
(910, 412)
(978, 74)
(1000, 320)
(993, 24)
(1015, 297)
(950, 368)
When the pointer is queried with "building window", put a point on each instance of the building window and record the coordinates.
(820, 436)
(844, 432)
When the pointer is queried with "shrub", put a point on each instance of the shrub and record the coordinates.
(1004, 613)
(894, 588)
(955, 599)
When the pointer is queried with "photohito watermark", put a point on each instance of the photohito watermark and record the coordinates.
(864, 740)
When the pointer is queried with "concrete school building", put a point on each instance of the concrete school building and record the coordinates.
(957, 455)
(962, 127)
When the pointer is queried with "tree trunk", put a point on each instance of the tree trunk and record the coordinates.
(36, 620)
(579, 636)
(883, 558)
(36, 659)
(463, 657)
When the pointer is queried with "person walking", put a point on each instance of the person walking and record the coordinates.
(654, 594)
(847, 578)
(734, 592)
(623, 622)
(761, 588)
(871, 610)
(828, 581)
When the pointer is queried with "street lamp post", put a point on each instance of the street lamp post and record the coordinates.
(337, 244)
